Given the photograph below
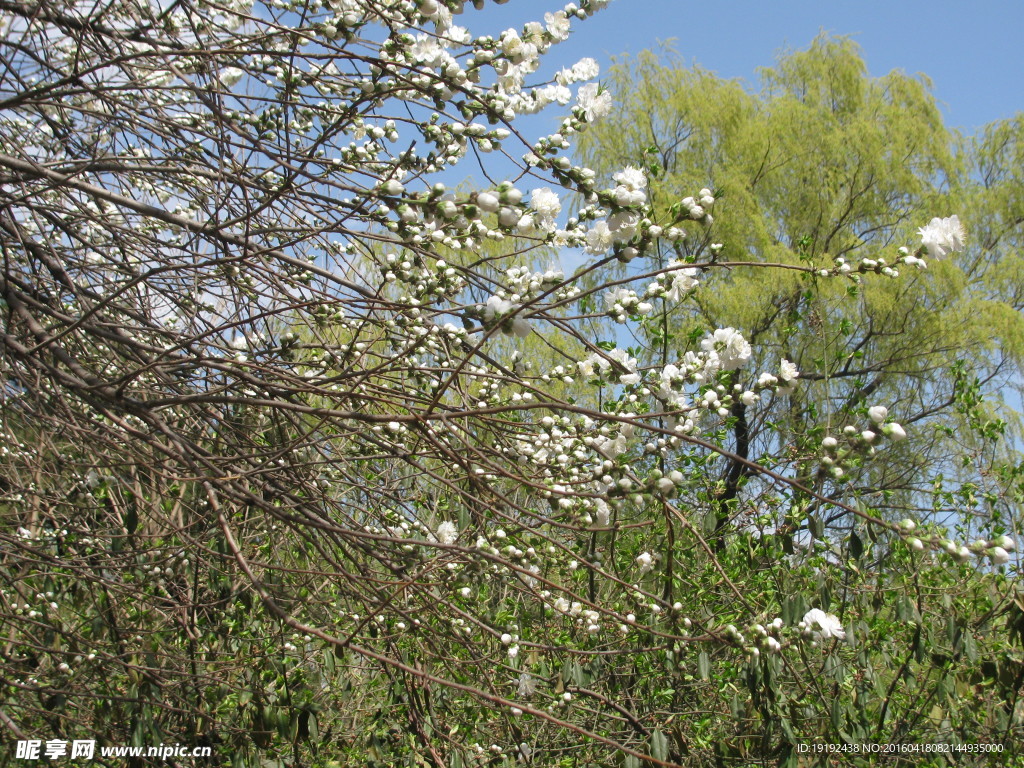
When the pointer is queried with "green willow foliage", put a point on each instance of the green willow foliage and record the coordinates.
(826, 163)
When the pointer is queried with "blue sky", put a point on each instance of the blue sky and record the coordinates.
(974, 54)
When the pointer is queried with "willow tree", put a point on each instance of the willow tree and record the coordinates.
(825, 166)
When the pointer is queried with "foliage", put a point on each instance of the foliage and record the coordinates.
(316, 462)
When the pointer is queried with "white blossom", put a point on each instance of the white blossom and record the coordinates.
(557, 25)
(599, 238)
(230, 76)
(623, 225)
(729, 347)
(547, 206)
(684, 279)
(942, 237)
(823, 625)
(631, 177)
(788, 371)
(447, 532)
(584, 69)
(594, 102)
(551, 94)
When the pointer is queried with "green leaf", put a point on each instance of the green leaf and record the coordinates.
(787, 729)
(710, 522)
(659, 745)
(856, 546)
(970, 647)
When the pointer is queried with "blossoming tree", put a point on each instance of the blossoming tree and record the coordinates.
(316, 461)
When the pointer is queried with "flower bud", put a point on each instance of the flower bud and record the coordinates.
(894, 432)
(1005, 542)
(877, 413)
(999, 556)
(487, 202)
